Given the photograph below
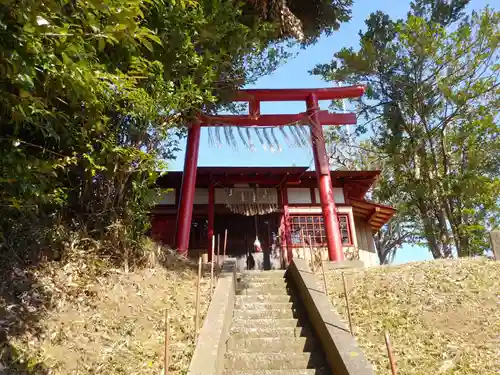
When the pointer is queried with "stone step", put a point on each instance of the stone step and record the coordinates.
(264, 279)
(273, 344)
(260, 283)
(311, 371)
(248, 306)
(272, 273)
(265, 323)
(282, 332)
(284, 313)
(252, 298)
(262, 290)
(260, 278)
(273, 361)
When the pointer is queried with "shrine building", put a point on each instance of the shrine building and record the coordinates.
(278, 205)
(278, 212)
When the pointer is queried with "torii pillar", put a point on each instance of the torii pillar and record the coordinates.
(186, 197)
(325, 187)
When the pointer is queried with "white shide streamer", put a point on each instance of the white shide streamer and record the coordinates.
(293, 136)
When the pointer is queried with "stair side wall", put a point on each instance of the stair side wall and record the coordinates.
(342, 352)
(208, 356)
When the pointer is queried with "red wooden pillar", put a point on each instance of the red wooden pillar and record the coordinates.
(211, 218)
(332, 229)
(186, 198)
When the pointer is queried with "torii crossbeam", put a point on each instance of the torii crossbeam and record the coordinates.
(313, 117)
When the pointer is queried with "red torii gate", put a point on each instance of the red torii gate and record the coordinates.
(316, 119)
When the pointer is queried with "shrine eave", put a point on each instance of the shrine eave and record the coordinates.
(377, 215)
(358, 181)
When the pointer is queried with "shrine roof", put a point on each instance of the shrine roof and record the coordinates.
(250, 170)
(376, 214)
(263, 170)
(357, 183)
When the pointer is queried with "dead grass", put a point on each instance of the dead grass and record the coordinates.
(110, 322)
(443, 316)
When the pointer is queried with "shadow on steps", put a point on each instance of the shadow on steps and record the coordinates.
(270, 332)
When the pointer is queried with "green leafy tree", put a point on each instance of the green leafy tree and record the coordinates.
(348, 153)
(432, 107)
(95, 93)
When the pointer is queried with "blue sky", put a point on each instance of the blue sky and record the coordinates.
(294, 74)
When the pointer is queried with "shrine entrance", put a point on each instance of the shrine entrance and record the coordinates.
(242, 232)
(304, 129)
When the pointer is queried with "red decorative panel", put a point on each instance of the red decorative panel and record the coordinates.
(163, 229)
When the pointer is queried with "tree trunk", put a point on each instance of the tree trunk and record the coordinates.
(430, 235)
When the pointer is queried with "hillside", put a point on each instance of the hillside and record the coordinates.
(443, 316)
(59, 320)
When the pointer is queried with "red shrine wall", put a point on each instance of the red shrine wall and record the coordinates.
(163, 228)
(304, 216)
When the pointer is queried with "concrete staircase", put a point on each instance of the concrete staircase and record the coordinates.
(269, 334)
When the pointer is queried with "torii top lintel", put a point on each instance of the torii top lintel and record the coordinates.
(279, 95)
(255, 96)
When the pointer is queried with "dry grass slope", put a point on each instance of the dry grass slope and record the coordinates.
(112, 323)
(443, 316)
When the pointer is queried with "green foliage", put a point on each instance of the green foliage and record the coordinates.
(321, 16)
(299, 19)
(346, 153)
(432, 104)
(94, 96)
